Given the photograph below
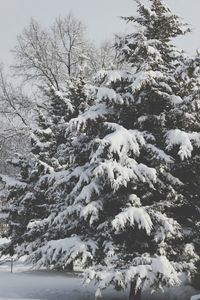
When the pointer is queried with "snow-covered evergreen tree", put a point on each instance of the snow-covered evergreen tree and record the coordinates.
(49, 137)
(188, 170)
(114, 182)
(121, 199)
(50, 154)
(17, 205)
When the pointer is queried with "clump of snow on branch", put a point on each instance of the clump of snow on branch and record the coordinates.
(150, 271)
(113, 76)
(64, 251)
(184, 140)
(133, 216)
(109, 94)
(121, 142)
(93, 113)
(91, 210)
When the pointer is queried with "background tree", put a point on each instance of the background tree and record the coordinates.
(45, 60)
(15, 114)
(56, 54)
(49, 160)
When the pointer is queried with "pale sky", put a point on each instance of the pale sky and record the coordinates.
(100, 17)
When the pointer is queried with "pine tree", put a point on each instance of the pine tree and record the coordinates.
(20, 204)
(122, 198)
(118, 189)
(187, 118)
(49, 159)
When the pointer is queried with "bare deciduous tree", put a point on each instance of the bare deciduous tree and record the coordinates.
(14, 102)
(70, 44)
(60, 53)
(46, 58)
(34, 56)
(15, 109)
(105, 57)
(52, 55)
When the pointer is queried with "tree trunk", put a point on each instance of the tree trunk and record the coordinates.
(70, 267)
(134, 295)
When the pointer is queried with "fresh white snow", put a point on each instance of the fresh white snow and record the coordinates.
(133, 215)
(196, 297)
(26, 284)
(4, 241)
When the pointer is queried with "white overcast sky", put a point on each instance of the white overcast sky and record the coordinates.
(100, 17)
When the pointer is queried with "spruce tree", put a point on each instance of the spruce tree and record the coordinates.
(119, 189)
(20, 205)
(122, 198)
(188, 170)
(49, 159)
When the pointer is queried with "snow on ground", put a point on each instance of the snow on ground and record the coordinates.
(181, 293)
(49, 285)
(196, 297)
(26, 284)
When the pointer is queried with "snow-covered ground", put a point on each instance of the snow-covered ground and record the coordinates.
(25, 284)
(196, 297)
(48, 285)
